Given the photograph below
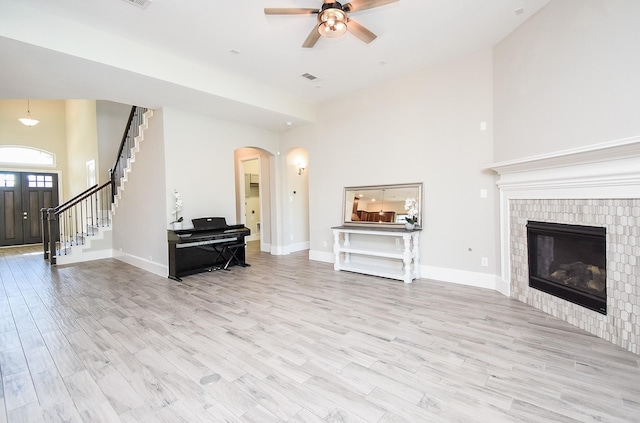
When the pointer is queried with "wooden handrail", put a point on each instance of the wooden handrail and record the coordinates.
(64, 205)
(124, 136)
(78, 198)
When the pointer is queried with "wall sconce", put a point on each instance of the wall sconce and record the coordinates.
(301, 167)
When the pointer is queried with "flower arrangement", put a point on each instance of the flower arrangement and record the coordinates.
(411, 206)
(177, 206)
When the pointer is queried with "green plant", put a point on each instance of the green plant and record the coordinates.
(411, 206)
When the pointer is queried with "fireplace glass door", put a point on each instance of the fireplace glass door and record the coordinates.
(569, 261)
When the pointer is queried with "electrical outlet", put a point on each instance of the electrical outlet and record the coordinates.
(324, 243)
(484, 261)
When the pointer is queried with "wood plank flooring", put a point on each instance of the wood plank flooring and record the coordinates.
(290, 340)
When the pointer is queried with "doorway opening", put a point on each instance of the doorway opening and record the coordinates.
(251, 198)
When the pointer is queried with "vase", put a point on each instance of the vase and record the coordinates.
(409, 226)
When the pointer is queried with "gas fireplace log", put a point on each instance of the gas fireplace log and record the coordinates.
(586, 277)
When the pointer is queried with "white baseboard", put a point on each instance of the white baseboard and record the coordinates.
(278, 250)
(503, 286)
(79, 256)
(150, 266)
(288, 249)
(462, 277)
(300, 246)
(325, 256)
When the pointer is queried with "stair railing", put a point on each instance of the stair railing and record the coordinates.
(131, 131)
(71, 223)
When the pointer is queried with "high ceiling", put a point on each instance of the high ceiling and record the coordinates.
(228, 59)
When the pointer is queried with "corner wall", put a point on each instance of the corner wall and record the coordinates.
(425, 128)
(82, 143)
(568, 77)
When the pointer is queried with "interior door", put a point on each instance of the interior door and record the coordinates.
(23, 194)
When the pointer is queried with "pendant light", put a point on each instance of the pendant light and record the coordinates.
(28, 121)
(382, 207)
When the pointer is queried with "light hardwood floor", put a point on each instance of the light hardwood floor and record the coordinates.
(291, 340)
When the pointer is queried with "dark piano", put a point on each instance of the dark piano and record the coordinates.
(210, 245)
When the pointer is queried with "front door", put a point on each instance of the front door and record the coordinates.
(22, 195)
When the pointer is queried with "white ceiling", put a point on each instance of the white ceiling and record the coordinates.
(182, 54)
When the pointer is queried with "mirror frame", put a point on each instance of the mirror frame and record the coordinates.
(348, 202)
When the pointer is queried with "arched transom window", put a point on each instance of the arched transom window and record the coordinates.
(12, 154)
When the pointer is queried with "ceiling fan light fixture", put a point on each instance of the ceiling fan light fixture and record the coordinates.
(332, 21)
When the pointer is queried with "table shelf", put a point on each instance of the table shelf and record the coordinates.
(407, 251)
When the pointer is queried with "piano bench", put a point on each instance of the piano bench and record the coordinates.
(232, 249)
(228, 253)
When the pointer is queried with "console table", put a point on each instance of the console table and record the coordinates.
(350, 241)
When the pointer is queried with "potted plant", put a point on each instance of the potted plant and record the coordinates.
(177, 206)
(411, 206)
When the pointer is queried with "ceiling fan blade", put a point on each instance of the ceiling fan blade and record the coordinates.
(360, 31)
(357, 5)
(289, 11)
(313, 37)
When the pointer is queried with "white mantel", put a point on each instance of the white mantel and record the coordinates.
(606, 170)
(597, 185)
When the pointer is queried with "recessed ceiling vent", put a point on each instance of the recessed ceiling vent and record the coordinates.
(140, 3)
(309, 76)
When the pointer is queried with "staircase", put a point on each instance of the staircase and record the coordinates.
(81, 228)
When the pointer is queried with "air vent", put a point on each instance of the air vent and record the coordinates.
(140, 3)
(309, 76)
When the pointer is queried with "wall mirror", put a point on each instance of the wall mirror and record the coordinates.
(380, 205)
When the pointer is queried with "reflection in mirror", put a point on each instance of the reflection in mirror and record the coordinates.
(381, 205)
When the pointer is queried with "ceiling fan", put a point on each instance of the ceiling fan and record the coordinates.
(333, 20)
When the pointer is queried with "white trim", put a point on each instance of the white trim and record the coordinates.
(277, 250)
(606, 151)
(323, 256)
(78, 255)
(461, 277)
(599, 171)
(299, 246)
(148, 265)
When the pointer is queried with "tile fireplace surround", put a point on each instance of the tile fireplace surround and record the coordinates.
(594, 186)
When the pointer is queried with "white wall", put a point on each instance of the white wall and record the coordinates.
(82, 142)
(296, 201)
(422, 128)
(568, 77)
(199, 153)
(49, 135)
(139, 223)
(111, 122)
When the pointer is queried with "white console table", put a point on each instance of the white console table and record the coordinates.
(406, 249)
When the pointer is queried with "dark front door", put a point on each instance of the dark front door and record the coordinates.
(22, 195)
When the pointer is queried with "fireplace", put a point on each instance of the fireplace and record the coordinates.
(569, 262)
